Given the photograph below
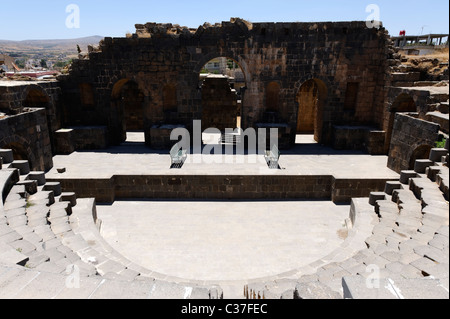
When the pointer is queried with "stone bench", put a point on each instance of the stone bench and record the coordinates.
(22, 165)
(55, 187)
(39, 177)
(406, 175)
(421, 165)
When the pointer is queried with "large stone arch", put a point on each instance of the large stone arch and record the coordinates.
(21, 150)
(230, 55)
(242, 109)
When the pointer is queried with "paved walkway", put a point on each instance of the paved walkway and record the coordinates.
(134, 158)
(223, 241)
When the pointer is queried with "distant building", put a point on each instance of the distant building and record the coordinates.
(6, 62)
(420, 44)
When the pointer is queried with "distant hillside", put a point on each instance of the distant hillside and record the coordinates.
(57, 45)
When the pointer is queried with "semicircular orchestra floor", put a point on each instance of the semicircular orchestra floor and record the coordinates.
(223, 240)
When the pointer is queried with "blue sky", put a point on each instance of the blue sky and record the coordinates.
(46, 19)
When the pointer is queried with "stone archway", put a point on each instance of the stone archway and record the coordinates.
(311, 98)
(129, 99)
(222, 83)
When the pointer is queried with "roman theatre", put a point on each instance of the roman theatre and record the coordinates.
(348, 176)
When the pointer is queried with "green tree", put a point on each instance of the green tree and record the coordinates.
(20, 63)
(43, 63)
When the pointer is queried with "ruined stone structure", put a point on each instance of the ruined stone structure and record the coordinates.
(341, 82)
(308, 76)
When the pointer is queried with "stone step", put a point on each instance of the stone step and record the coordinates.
(70, 197)
(31, 186)
(46, 197)
(7, 155)
(22, 165)
(443, 182)
(421, 165)
(391, 186)
(406, 175)
(39, 177)
(402, 196)
(53, 186)
(436, 154)
(432, 172)
(376, 196)
(10, 255)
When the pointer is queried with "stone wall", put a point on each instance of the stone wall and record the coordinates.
(289, 53)
(28, 136)
(19, 96)
(410, 137)
(222, 187)
(363, 138)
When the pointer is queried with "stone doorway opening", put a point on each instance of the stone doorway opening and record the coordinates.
(222, 84)
(311, 99)
(129, 100)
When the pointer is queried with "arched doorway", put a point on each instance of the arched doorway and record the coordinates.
(222, 83)
(36, 98)
(127, 108)
(311, 99)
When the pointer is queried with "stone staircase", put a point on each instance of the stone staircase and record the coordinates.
(50, 247)
(406, 251)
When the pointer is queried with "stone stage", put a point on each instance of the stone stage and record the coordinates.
(307, 171)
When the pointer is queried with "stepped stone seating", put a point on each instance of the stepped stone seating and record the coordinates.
(46, 236)
(406, 253)
(397, 239)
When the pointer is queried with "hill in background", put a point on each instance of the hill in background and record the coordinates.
(63, 46)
